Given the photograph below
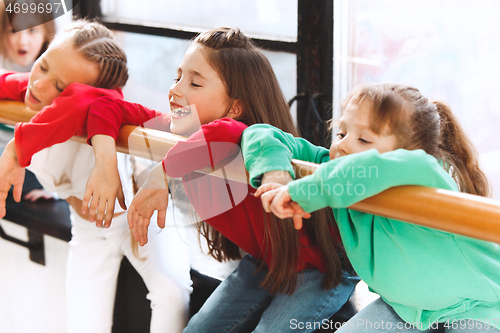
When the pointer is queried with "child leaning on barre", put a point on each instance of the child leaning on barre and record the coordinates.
(224, 83)
(426, 278)
(81, 65)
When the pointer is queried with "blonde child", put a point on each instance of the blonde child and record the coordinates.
(81, 65)
(20, 49)
(224, 84)
(18, 52)
(390, 135)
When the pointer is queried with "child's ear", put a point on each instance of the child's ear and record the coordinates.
(236, 110)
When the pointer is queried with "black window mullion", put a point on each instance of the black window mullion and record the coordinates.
(91, 9)
(315, 69)
(267, 44)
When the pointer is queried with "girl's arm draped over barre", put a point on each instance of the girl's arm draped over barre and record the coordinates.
(359, 175)
(104, 185)
(153, 195)
(107, 114)
(64, 118)
(13, 85)
(105, 117)
(212, 144)
(279, 148)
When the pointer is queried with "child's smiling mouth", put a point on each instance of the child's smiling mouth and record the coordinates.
(178, 112)
(32, 98)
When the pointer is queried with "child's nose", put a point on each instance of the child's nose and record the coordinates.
(343, 147)
(23, 37)
(39, 85)
(175, 90)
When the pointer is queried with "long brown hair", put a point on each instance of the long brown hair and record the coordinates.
(421, 124)
(248, 77)
(5, 26)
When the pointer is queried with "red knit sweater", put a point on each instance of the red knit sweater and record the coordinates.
(228, 206)
(56, 123)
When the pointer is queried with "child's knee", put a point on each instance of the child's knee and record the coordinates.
(170, 292)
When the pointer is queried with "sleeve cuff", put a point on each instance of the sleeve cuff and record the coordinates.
(274, 161)
(18, 144)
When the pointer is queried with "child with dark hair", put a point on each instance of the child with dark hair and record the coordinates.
(225, 84)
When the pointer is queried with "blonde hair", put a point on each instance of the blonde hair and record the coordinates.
(97, 43)
(419, 123)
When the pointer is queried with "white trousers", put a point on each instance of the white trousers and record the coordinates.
(93, 264)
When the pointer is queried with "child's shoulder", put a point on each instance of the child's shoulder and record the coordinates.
(416, 155)
(224, 127)
(226, 122)
(13, 85)
(417, 158)
(14, 76)
(81, 89)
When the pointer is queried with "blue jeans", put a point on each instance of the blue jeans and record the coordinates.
(240, 305)
(378, 316)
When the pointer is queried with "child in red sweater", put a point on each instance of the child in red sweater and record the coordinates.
(19, 48)
(62, 91)
(224, 84)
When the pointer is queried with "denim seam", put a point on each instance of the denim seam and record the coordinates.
(332, 297)
(325, 304)
(267, 300)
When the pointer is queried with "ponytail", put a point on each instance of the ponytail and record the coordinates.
(418, 123)
(460, 155)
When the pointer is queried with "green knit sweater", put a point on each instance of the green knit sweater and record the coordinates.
(426, 275)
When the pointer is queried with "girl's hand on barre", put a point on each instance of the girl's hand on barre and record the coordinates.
(276, 199)
(153, 195)
(104, 185)
(11, 173)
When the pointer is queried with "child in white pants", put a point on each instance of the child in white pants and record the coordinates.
(80, 65)
(95, 254)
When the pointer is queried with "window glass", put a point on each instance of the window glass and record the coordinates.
(152, 63)
(445, 48)
(271, 18)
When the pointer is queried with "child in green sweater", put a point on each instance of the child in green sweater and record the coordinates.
(390, 135)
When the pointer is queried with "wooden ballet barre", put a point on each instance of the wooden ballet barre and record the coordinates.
(455, 212)
(133, 140)
(12, 112)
